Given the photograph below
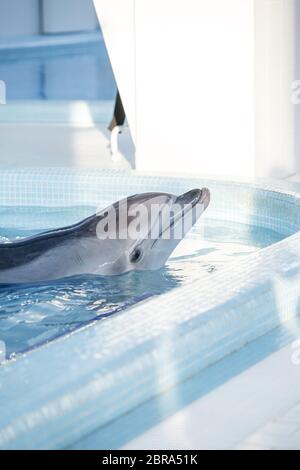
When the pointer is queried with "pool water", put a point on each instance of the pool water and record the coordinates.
(79, 71)
(31, 315)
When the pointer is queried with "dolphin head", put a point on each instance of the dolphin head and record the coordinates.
(141, 232)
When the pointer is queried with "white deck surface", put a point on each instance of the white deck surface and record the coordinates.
(295, 178)
(258, 409)
(56, 145)
(60, 133)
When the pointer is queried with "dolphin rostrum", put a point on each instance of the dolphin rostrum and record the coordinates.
(136, 233)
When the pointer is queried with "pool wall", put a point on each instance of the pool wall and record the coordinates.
(57, 394)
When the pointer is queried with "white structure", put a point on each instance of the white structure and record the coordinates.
(206, 84)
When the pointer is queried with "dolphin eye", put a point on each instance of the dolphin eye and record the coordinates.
(136, 256)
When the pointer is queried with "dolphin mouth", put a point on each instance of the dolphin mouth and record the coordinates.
(205, 197)
(195, 196)
(187, 201)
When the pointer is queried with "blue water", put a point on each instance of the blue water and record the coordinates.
(31, 315)
(73, 72)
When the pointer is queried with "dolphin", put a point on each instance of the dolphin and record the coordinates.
(102, 244)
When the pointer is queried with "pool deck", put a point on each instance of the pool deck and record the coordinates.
(57, 145)
(60, 133)
(295, 178)
(258, 409)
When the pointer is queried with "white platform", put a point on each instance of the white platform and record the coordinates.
(258, 409)
(58, 133)
(43, 145)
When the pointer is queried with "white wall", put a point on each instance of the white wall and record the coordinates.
(19, 18)
(206, 84)
(275, 71)
(118, 27)
(195, 76)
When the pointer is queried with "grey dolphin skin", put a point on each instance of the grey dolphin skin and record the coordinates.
(82, 249)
